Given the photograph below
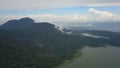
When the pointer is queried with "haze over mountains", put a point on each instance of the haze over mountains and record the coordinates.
(27, 44)
(105, 26)
(48, 33)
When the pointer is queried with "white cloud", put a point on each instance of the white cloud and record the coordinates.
(94, 36)
(45, 4)
(93, 16)
(92, 10)
(104, 16)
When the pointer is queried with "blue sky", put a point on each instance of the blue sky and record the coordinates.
(62, 11)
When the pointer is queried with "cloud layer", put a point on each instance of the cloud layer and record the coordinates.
(48, 4)
(93, 16)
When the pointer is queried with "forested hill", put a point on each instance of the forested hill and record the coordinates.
(27, 44)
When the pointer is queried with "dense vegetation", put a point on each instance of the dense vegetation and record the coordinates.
(26, 44)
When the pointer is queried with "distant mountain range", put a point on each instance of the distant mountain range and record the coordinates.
(27, 44)
(106, 26)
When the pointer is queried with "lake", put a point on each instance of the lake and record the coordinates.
(100, 57)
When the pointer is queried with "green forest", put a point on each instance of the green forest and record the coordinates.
(27, 44)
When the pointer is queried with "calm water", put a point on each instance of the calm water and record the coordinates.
(100, 57)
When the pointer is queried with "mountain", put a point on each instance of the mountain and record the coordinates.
(33, 45)
(17, 23)
(102, 37)
(105, 26)
(27, 25)
(27, 44)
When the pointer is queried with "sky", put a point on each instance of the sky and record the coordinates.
(61, 12)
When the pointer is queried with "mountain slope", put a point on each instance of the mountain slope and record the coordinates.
(26, 44)
(36, 45)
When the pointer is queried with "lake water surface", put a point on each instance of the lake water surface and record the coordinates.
(100, 57)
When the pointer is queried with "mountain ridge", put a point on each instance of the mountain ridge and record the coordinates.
(42, 45)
